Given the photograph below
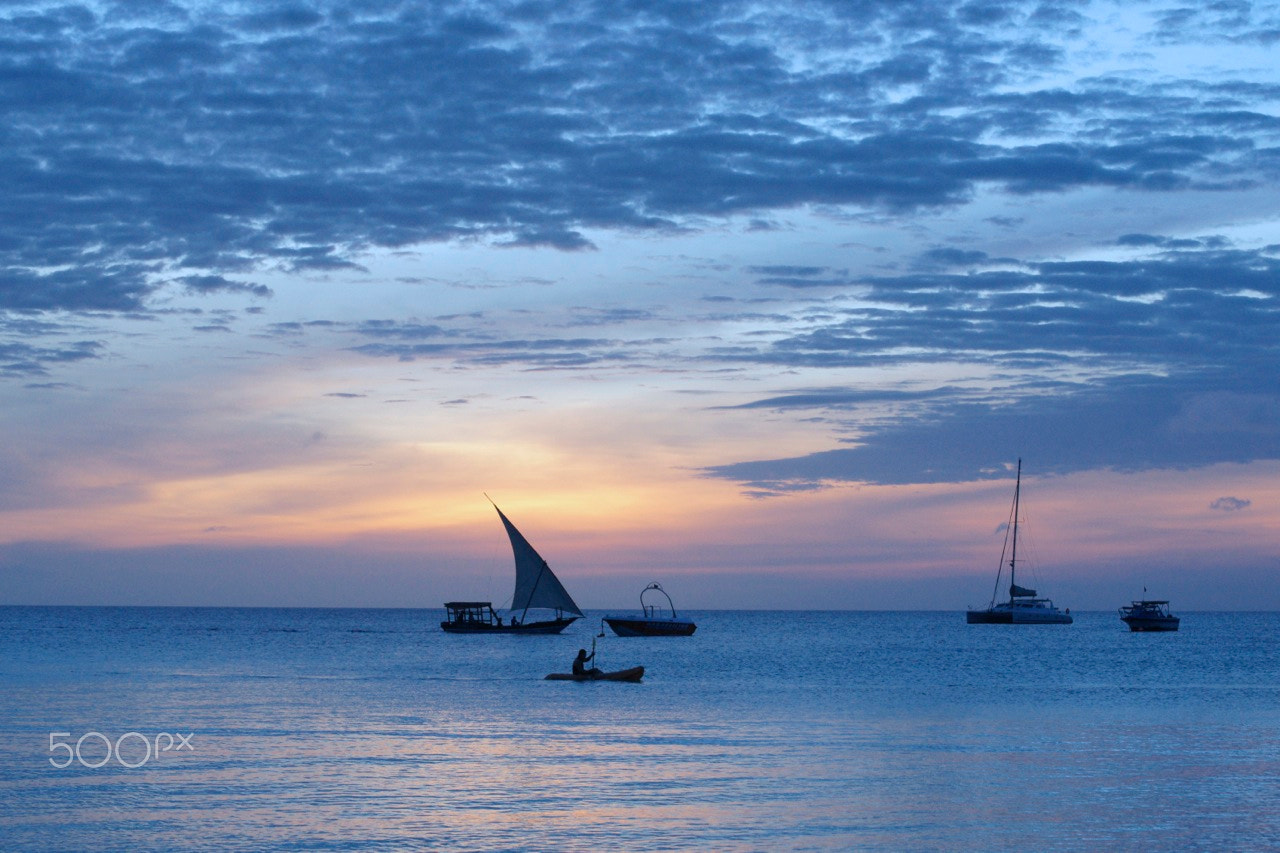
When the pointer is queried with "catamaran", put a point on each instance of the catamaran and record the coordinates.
(537, 588)
(1023, 607)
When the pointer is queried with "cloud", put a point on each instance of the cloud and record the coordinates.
(202, 144)
(1230, 504)
(1191, 333)
(1148, 240)
(947, 257)
(1158, 360)
(528, 353)
(835, 398)
(799, 276)
(26, 360)
(205, 284)
(1127, 424)
(1227, 22)
(1185, 309)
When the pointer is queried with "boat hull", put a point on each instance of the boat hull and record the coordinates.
(552, 626)
(1146, 623)
(1149, 615)
(1020, 615)
(625, 627)
(988, 617)
(633, 674)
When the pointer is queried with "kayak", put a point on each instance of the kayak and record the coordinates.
(633, 674)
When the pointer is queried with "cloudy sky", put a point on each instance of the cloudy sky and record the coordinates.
(761, 301)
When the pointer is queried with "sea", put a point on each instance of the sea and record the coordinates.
(252, 729)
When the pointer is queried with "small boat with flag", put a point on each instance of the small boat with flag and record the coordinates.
(537, 588)
(654, 623)
(1149, 615)
(1023, 607)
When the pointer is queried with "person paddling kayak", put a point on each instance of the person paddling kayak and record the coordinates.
(580, 663)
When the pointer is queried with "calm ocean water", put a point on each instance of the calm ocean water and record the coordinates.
(374, 730)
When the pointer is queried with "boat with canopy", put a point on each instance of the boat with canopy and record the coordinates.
(1149, 615)
(537, 588)
(1023, 607)
(654, 623)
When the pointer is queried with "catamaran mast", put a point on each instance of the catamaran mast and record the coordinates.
(1013, 555)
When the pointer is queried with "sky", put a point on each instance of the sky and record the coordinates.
(763, 302)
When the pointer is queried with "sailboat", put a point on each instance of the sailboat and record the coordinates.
(537, 588)
(1023, 607)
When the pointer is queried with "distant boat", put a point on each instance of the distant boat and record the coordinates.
(652, 623)
(1023, 607)
(1149, 615)
(537, 588)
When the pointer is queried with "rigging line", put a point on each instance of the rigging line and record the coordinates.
(1013, 557)
(1004, 549)
(534, 589)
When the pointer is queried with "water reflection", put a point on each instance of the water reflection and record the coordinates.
(882, 731)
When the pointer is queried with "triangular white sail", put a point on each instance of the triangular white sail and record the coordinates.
(536, 584)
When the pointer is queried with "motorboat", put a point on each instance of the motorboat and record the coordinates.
(654, 622)
(1149, 615)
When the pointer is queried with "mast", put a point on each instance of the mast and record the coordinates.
(1013, 556)
(538, 580)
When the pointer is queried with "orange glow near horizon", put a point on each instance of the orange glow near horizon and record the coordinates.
(1092, 515)
(603, 502)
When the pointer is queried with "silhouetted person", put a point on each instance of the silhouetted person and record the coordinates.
(580, 663)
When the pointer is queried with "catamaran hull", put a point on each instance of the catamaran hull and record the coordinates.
(650, 627)
(987, 617)
(633, 674)
(554, 626)
(1008, 617)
